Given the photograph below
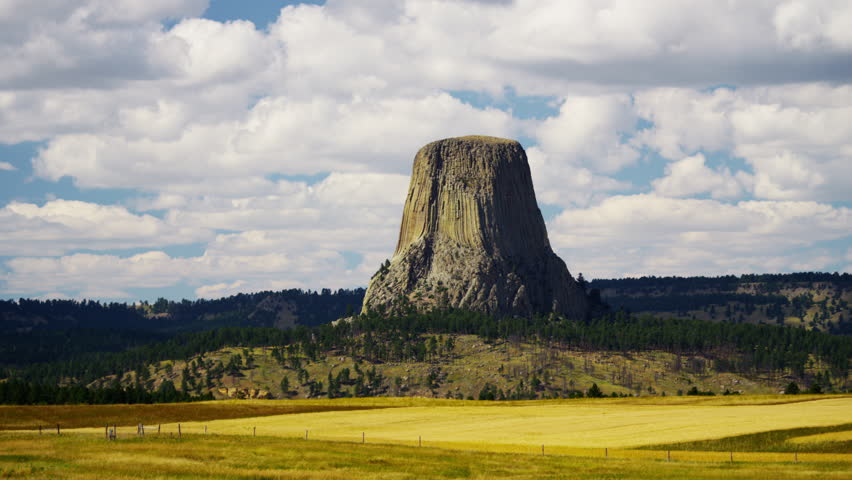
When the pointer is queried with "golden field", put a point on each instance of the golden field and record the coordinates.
(590, 438)
(598, 424)
(83, 457)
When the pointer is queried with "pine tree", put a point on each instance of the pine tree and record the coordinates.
(594, 391)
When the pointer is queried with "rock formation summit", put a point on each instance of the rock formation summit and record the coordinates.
(472, 237)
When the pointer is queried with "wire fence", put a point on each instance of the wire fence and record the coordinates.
(195, 430)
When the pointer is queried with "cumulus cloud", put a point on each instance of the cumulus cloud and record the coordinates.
(83, 44)
(206, 121)
(589, 130)
(7, 166)
(111, 276)
(638, 234)
(813, 25)
(278, 135)
(691, 176)
(340, 200)
(62, 225)
(543, 47)
(559, 181)
(797, 139)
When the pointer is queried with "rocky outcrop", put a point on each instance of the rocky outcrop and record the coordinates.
(472, 237)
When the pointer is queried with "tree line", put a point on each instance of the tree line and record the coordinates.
(19, 392)
(742, 348)
(260, 309)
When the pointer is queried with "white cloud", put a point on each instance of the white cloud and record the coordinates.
(278, 135)
(339, 201)
(220, 290)
(813, 25)
(686, 120)
(62, 225)
(645, 234)
(691, 176)
(111, 276)
(94, 42)
(558, 181)
(7, 166)
(203, 118)
(204, 51)
(796, 138)
(589, 131)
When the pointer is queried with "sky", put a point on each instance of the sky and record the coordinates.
(198, 149)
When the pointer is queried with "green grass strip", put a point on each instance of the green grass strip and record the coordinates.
(770, 441)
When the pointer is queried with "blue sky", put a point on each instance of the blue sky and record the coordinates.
(199, 149)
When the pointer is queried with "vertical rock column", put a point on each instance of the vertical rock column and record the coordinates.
(472, 237)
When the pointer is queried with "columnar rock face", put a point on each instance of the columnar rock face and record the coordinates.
(472, 237)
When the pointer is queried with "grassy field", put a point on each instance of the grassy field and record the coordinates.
(588, 424)
(834, 439)
(583, 438)
(84, 457)
(24, 417)
(562, 425)
(844, 436)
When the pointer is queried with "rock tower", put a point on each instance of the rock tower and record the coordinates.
(472, 237)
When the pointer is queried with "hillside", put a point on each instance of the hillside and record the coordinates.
(245, 345)
(461, 367)
(453, 354)
(33, 331)
(817, 301)
(280, 309)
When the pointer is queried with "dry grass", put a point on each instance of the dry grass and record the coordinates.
(82, 457)
(615, 423)
(20, 417)
(461, 439)
(844, 436)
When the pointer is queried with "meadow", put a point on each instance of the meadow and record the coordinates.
(79, 457)
(663, 437)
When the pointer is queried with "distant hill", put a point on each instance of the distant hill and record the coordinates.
(281, 309)
(815, 301)
(750, 334)
(33, 331)
(462, 354)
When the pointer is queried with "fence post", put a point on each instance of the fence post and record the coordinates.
(205, 429)
(606, 452)
(732, 456)
(179, 434)
(306, 434)
(669, 456)
(542, 450)
(39, 429)
(57, 430)
(254, 432)
(419, 441)
(158, 428)
(362, 437)
(106, 432)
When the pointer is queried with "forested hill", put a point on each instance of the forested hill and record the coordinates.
(282, 309)
(202, 347)
(819, 301)
(815, 301)
(33, 331)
